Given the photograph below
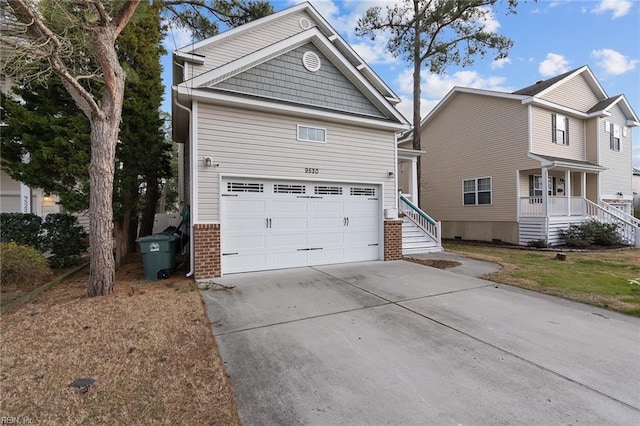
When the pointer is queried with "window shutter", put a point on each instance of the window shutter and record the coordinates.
(566, 130)
(553, 128)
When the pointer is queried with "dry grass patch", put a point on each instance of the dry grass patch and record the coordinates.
(149, 348)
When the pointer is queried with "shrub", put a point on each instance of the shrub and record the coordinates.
(538, 243)
(22, 266)
(22, 228)
(592, 232)
(65, 238)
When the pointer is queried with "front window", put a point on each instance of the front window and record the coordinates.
(476, 191)
(312, 134)
(559, 129)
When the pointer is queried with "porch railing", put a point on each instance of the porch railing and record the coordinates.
(629, 231)
(619, 213)
(556, 206)
(425, 222)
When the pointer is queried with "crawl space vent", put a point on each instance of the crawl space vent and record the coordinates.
(311, 61)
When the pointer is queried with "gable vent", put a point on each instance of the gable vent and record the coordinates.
(311, 61)
(244, 187)
(304, 23)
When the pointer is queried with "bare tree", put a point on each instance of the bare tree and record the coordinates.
(65, 37)
(435, 34)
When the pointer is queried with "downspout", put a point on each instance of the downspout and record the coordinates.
(191, 242)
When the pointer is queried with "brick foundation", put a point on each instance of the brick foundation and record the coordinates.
(393, 239)
(206, 238)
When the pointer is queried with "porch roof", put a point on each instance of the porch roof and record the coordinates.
(407, 153)
(567, 163)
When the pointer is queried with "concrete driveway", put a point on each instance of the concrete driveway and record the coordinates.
(401, 344)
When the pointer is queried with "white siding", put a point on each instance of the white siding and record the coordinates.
(618, 176)
(541, 136)
(574, 93)
(247, 42)
(262, 144)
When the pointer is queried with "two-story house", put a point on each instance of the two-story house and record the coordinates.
(517, 167)
(289, 140)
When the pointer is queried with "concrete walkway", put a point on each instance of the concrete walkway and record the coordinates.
(403, 344)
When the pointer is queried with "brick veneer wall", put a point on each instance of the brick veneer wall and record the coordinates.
(206, 238)
(392, 239)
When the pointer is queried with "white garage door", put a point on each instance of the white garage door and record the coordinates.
(282, 224)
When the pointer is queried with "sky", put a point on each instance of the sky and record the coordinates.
(550, 37)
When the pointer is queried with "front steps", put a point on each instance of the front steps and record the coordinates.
(415, 241)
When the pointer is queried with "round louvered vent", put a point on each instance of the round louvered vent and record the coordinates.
(311, 61)
(304, 23)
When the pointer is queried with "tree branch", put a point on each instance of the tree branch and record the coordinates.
(125, 15)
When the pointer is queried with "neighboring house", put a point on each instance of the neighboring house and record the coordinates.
(518, 167)
(16, 197)
(289, 146)
(636, 189)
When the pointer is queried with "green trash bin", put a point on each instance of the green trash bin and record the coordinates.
(158, 256)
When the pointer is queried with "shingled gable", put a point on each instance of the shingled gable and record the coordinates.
(319, 32)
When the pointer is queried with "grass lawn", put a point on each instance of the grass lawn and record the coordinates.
(599, 278)
(149, 348)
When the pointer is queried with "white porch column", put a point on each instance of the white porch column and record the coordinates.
(545, 192)
(583, 178)
(567, 190)
(413, 181)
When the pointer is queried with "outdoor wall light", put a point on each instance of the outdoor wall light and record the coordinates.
(208, 162)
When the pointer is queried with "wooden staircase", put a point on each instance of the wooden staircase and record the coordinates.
(420, 232)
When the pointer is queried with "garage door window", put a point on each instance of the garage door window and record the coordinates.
(289, 189)
(244, 187)
(327, 190)
(366, 192)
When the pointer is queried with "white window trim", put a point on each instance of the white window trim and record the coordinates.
(310, 127)
(476, 191)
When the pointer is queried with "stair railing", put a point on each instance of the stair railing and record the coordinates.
(629, 231)
(422, 220)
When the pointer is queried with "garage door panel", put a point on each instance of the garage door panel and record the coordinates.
(245, 243)
(289, 207)
(327, 223)
(241, 263)
(290, 239)
(321, 239)
(362, 208)
(245, 224)
(279, 224)
(288, 259)
(246, 207)
(319, 207)
(362, 254)
(326, 256)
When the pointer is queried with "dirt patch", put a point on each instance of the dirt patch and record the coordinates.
(148, 350)
(434, 263)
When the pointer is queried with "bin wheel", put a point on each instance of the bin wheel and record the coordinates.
(164, 274)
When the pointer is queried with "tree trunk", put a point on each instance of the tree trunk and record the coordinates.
(122, 240)
(104, 135)
(149, 212)
(417, 93)
(105, 126)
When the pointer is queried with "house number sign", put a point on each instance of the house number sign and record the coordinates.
(311, 170)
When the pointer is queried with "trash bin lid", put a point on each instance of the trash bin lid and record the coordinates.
(157, 237)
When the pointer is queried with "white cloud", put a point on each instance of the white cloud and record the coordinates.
(489, 20)
(619, 7)
(554, 64)
(176, 37)
(614, 63)
(500, 63)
